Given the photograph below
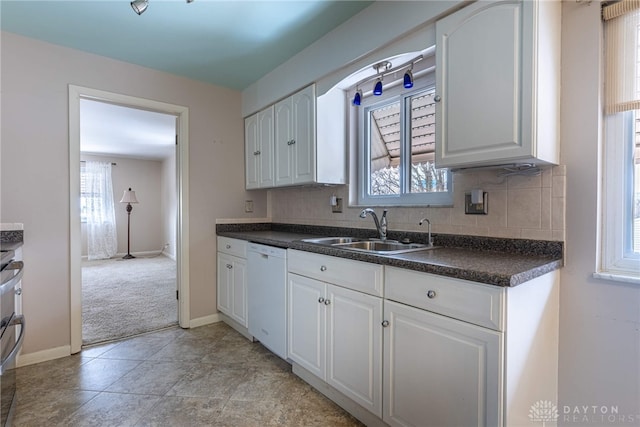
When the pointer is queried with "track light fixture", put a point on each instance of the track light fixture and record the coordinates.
(385, 68)
(139, 6)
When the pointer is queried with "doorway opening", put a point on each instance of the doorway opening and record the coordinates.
(127, 179)
(154, 230)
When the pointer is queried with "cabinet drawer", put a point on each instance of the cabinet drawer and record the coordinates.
(232, 246)
(468, 301)
(357, 275)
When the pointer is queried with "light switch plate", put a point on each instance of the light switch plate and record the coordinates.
(476, 208)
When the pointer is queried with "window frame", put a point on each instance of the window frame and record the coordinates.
(617, 261)
(394, 92)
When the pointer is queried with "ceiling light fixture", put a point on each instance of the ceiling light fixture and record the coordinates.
(139, 6)
(382, 69)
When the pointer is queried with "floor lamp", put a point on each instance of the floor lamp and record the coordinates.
(129, 197)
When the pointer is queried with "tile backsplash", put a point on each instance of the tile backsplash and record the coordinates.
(528, 207)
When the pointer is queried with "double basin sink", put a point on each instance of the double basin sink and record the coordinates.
(373, 246)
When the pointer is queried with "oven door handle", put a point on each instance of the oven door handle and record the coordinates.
(10, 283)
(16, 321)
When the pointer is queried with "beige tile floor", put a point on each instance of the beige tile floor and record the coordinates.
(206, 376)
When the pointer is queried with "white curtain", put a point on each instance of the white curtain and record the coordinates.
(102, 241)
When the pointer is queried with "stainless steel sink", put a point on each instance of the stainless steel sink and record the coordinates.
(332, 240)
(384, 247)
(374, 246)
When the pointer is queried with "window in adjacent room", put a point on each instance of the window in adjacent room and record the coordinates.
(396, 142)
(620, 252)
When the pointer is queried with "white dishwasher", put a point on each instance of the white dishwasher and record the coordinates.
(267, 296)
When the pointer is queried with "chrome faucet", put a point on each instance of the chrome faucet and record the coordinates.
(429, 239)
(381, 225)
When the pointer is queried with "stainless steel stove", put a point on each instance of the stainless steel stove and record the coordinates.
(11, 272)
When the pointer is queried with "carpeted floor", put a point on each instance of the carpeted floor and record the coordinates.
(121, 298)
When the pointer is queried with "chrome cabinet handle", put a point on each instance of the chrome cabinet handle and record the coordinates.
(323, 268)
(320, 300)
(229, 266)
(437, 98)
(385, 323)
(293, 141)
(431, 294)
(19, 291)
(256, 153)
(327, 302)
(228, 246)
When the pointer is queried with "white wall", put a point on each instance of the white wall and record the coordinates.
(145, 177)
(34, 176)
(599, 320)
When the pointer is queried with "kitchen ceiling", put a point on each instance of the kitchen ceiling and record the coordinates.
(225, 43)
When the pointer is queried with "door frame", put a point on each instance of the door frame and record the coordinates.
(76, 93)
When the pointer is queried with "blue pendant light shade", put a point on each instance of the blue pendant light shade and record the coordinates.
(357, 98)
(408, 79)
(377, 89)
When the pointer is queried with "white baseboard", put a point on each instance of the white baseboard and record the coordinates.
(137, 254)
(169, 255)
(206, 320)
(44, 355)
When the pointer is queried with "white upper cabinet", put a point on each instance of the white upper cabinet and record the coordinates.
(258, 131)
(497, 78)
(308, 141)
(295, 138)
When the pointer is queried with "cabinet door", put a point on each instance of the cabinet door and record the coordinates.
(479, 52)
(266, 147)
(307, 323)
(251, 152)
(225, 279)
(238, 289)
(303, 145)
(354, 346)
(283, 146)
(440, 371)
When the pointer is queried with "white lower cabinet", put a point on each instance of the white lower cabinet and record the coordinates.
(335, 334)
(420, 350)
(232, 279)
(439, 371)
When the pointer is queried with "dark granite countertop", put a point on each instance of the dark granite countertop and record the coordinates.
(499, 262)
(10, 240)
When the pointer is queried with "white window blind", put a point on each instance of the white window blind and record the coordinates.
(622, 56)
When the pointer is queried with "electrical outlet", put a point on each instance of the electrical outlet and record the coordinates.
(248, 206)
(476, 208)
(337, 208)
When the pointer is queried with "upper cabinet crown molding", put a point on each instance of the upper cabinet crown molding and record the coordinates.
(304, 144)
(497, 78)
